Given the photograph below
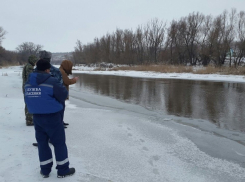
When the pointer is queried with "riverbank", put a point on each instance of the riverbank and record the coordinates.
(113, 144)
(155, 74)
(211, 69)
(187, 73)
(224, 70)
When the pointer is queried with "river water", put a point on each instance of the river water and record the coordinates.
(221, 103)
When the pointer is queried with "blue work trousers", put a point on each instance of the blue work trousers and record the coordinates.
(50, 126)
(63, 111)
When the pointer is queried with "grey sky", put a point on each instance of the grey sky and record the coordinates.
(58, 24)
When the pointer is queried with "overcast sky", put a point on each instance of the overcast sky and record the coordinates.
(58, 24)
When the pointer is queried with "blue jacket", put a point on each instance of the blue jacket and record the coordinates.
(55, 72)
(44, 94)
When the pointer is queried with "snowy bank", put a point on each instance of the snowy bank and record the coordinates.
(112, 144)
(148, 74)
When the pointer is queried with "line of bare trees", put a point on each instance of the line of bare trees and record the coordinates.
(20, 56)
(194, 39)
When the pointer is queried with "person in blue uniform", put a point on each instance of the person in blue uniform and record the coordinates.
(55, 72)
(43, 96)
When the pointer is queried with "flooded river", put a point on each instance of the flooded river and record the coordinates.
(221, 103)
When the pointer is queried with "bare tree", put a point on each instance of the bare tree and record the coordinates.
(26, 49)
(139, 38)
(2, 33)
(230, 32)
(105, 43)
(192, 36)
(129, 47)
(221, 37)
(170, 45)
(155, 34)
(204, 45)
(180, 42)
(97, 51)
(78, 53)
(239, 45)
(119, 47)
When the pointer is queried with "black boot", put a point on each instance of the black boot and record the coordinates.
(35, 144)
(44, 175)
(65, 124)
(70, 173)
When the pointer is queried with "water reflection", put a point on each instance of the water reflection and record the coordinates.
(219, 102)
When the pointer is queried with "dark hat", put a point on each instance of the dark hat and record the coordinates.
(43, 64)
(45, 55)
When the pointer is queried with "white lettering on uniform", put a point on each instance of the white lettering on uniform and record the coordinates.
(33, 91)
